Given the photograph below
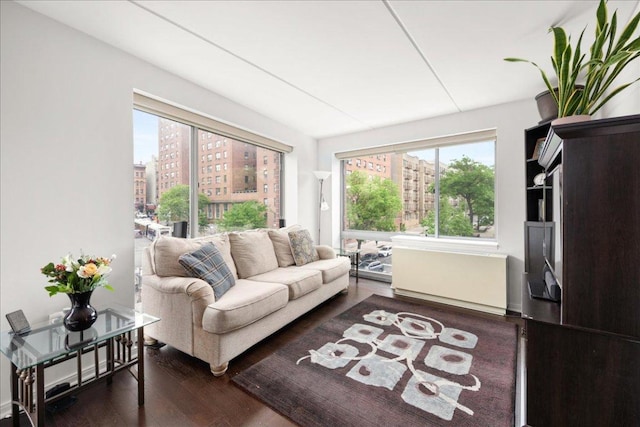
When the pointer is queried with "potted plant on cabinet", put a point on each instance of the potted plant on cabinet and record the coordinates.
(608, 57)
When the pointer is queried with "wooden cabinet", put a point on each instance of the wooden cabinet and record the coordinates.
(582, 355)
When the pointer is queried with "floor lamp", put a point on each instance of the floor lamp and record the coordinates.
(323, 205)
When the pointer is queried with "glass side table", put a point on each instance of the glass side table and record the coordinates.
(354, 257)
(116, 331)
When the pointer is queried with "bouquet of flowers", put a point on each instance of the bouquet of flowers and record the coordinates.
(74, 276)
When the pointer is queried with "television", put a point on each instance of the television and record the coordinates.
(552, 270)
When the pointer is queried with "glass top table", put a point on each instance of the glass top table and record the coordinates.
(354, 256)
(116, 331)
(47, 341)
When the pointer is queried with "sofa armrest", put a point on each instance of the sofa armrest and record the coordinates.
(167, 296)
(325, 252)
(191, 286)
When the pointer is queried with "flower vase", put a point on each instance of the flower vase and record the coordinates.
(82, 315)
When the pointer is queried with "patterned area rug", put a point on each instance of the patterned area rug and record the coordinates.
(393, 363)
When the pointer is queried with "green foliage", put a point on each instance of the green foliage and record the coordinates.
(453, 221)
(243, 216)
(473, 183)
(598, 72)
(372, 204)
(174, 205)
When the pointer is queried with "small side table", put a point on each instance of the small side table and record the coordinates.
(354, 257)
(116, 331)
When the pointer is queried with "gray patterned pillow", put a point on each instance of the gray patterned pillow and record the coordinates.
(207, 264)
(302, 247)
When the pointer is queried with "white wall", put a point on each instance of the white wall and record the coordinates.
(67, 155)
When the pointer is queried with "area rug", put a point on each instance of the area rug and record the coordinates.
(393, 363)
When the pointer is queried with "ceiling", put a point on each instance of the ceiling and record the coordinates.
(328, 68)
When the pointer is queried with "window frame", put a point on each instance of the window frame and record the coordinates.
(442, 242)
(202, 123)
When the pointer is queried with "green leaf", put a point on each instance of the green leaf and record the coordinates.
(52, 290)
(601, 15)
(614, 27)
(628, 31)
(560, 43)
(612, 94)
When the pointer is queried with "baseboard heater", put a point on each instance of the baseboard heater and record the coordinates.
(471, 280)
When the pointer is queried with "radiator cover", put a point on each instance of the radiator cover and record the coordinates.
(471, 280)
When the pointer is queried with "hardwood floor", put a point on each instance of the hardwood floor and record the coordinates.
(180, 391)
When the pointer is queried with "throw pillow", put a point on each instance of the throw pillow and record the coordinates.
(282, 246)
(166, 250)
(302, 247)
(253, 253)
(207, 264)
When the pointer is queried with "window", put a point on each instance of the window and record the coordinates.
(440, 188)
(171, 194)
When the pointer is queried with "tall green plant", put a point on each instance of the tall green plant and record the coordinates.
(608, 58)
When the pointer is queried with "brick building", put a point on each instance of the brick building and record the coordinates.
(229, 171)
(139, 187)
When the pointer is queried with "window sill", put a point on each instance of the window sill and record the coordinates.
(442, 244)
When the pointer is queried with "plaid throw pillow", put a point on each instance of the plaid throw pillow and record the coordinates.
(207, 264)
(302, 247)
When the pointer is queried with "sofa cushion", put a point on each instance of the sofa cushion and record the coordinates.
(207, 264)
(281, 245)
(252, 252)
(166, 251)
(243, 304)
(302, 247)
(331, 268)
(300, 282)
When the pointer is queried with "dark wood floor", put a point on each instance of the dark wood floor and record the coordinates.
(180, 391)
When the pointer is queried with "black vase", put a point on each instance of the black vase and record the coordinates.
(82, 315)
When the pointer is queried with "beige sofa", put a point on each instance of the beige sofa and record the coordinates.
(269, 292)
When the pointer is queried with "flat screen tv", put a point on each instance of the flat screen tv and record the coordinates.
(552, 274)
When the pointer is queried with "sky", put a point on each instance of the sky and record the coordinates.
(145, 136)
(483, 152)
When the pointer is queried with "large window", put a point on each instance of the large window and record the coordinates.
(181, 186)
(441, 188)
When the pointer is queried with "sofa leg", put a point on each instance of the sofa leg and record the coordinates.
(149, 340)
(218, 371)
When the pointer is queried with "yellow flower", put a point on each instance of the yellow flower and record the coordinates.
(87, 270)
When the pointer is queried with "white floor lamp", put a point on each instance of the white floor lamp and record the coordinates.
(323, 205)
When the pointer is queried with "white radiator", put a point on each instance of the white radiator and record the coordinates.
(470, 280)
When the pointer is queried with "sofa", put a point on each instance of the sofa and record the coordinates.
(273, 285)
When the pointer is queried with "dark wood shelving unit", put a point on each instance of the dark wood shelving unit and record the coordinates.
(534, 138)
(534, 231)
(582, 354)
